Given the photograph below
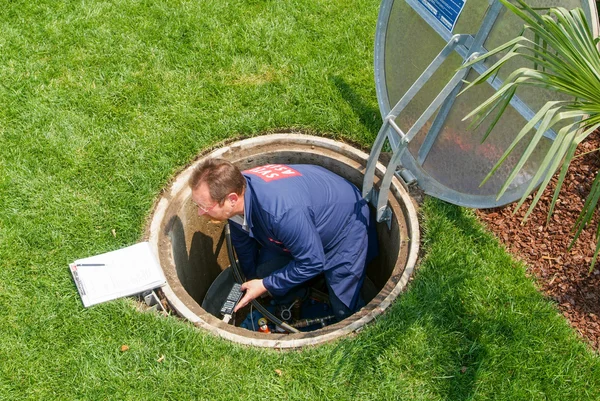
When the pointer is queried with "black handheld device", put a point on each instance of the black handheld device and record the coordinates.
(234, 296)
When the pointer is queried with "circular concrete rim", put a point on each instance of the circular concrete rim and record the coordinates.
(181, 184)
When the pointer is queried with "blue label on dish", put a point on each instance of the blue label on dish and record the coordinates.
(445, 11)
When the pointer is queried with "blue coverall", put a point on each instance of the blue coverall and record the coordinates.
(314, 216)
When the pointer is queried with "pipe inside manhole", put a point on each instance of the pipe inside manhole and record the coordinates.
(192, 250)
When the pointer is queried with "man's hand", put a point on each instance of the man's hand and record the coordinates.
(254, 289)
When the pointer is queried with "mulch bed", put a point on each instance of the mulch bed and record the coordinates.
(563, 275)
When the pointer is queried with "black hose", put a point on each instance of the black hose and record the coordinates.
(237, 273)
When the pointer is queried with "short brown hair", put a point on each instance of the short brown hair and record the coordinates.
(221, 176)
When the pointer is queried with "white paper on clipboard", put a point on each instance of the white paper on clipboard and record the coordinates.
(117, 274)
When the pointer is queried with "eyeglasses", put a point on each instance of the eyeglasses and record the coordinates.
(205, 209)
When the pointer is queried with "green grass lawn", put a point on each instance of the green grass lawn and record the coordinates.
(102, 103)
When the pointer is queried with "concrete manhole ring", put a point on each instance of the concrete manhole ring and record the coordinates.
(192, 252)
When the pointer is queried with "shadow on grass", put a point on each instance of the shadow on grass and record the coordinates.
(369, 117)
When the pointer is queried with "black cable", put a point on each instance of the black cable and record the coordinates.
(237, 273)
(232, 260)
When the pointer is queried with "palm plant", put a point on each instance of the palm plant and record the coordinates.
(565, 59)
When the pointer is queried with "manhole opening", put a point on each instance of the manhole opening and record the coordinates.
(193, 251)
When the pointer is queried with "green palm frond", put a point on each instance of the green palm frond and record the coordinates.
(565, 59)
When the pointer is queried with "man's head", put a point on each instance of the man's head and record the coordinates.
(217, 188)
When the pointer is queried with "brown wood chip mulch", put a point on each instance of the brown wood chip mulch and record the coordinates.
(562, 275)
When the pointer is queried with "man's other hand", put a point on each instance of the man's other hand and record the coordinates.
(254, 289)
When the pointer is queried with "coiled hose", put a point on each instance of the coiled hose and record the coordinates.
(237, 273)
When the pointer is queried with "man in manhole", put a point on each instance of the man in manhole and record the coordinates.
(289, 224)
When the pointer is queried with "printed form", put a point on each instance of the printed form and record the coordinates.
(116, 274)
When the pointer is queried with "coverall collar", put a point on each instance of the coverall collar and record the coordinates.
(248, 208)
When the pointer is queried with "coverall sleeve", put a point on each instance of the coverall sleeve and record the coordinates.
(299, 235)
(246, 249)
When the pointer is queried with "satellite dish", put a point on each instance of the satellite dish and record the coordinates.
(419, 47)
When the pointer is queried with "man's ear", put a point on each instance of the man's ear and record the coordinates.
(233, 197)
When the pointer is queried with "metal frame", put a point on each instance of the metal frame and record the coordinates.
(467, 47)
(389, 126)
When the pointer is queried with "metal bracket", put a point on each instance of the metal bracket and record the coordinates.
(406, 176)
(152, 300)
